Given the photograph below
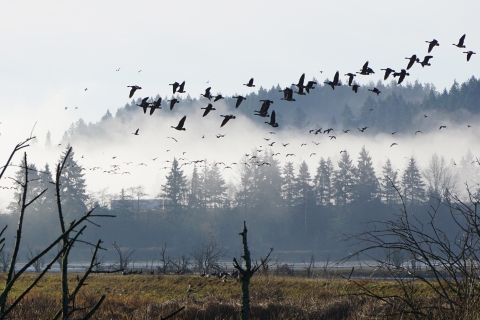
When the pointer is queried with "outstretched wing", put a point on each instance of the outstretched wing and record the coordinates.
(182, 122)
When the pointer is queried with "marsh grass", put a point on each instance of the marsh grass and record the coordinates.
(272, 297)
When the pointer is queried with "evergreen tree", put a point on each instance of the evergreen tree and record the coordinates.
(34, 188)
(288, 184)
(48, 140)
(195, 194)
(348, 119)
(344, 180)
(413, 187)
(72, 188)
(175, 190)
(124, 205)
(214, 187)
(389, 179)
(303, 187)
(323, 184)
(366, 185)
(300, 119)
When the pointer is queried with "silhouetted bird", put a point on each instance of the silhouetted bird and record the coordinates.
(412, 59)
(144, 104)
(375, 90)
(334, 82)
(239, 100)
(300, 91)
(432, 44)
(355, 87)
(469, 54)
(418, 132)
(287, 94)
(132, 91)
(181, 88)
(393, 144)
(300, 85)
(387, 73)
(442, 127)
(180, 124)
(218, 97)
(366, 70)
(226, 118)
(175, 86)
(310, 86)
(264, 109)
(350, 78)
(250, 83)
(401, 74)
(207, 93)
(136, 132)
(208, 109)
(172, 103)
(156, 105)
(425, 61)
(460, 43)
(272, 122)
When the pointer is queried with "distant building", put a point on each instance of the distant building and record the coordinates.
(143, 204)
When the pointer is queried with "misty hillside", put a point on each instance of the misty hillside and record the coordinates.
(397, 107)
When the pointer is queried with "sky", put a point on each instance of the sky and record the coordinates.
(53, 50)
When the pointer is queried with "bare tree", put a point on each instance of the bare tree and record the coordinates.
(441, 180)
(206, 258)
(123, 256)
(450, 255)
(164, 259)
(310, 266)
(38, 264)
(247, 272)
(75, 228)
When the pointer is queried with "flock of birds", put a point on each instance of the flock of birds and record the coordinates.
(300, 88)
(288, 92)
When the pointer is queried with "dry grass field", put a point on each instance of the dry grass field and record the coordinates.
(272, 297)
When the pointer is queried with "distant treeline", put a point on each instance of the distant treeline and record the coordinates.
(398, 107)
(289, 208)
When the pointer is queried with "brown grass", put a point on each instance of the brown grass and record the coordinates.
(153, 296)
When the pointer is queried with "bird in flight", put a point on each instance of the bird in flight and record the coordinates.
(412, 59)
(250, 83)
(460, 43)
(393, 144)
(218, 97)
(355, 87)
(132, 91)
(310, 86)
(287, 94)
(207, 94)
(401, 75)
(180, 124)
(175, 86)
(425, 61)
(335, 81)
(226, 118)
(172, 103)
(172, 138)
(442, 127)
(272, 120)
(375, 90)
(144, 104)
(155, 105)
(418, 132)
(239, 100)
(366, 70)
(208, 109)
(432, 44)
(469, 54)
(387, 72)
(350, 78)
(136, 132)
(181, 88)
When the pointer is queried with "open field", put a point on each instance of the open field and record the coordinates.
(272, 297)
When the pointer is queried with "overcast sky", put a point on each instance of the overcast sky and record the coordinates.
(52, 50)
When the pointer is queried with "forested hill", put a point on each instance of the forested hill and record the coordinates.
(398, 107)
